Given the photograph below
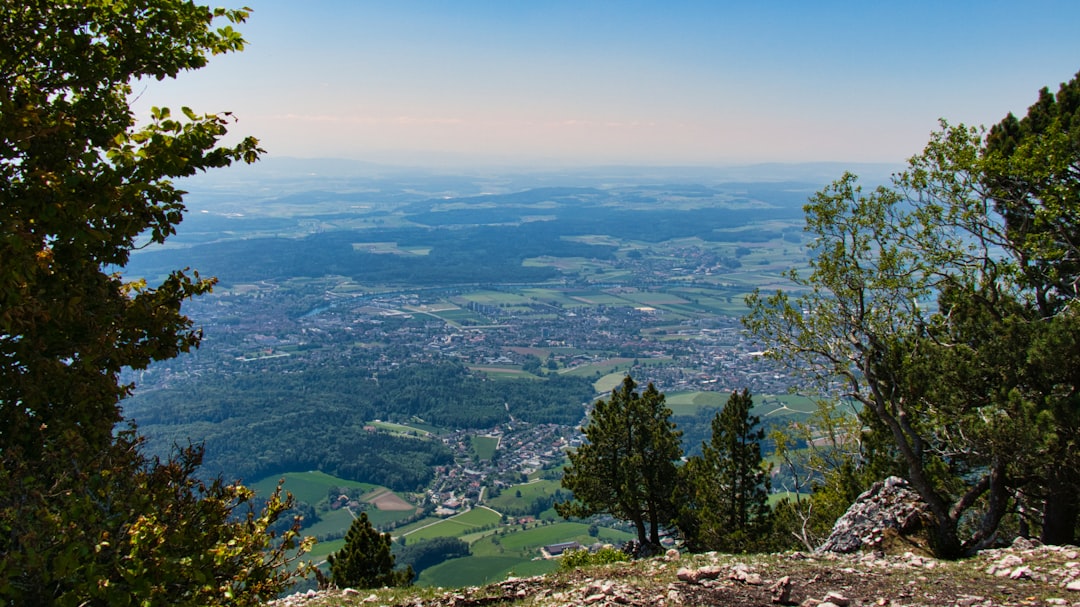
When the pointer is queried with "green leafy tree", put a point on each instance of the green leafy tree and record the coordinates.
(945, 306)
(724, 491)
(826, 466)
(627, 467)
(84, 518)
(366, 560)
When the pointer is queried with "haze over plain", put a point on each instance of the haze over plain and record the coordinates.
(571, 83)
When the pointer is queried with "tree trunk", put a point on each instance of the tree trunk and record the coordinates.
(642, 534)
(945, 540)
(1060, 513)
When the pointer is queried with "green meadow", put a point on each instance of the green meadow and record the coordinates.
(310, 487)
(514, 551)
(484, 446)
(523, 494)
(455, 526)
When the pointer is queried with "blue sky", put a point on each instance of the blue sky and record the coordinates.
(563, 83)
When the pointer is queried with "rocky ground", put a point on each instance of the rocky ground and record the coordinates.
(1022, 575)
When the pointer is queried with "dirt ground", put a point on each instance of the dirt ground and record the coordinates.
(1041, 575)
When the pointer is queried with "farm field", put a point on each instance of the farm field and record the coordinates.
(514, 552)
(514, 496)
(455, 526)
(384, 507)
(310, 487)
(479, 570)
(400, 428)
(484, 446)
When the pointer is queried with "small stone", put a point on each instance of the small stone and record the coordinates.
(708, 572)
(1010, 560)
(1020, 573)
(837, 599)
(1073, 586)
(350, 592)
(594, 598)
(781, 591)
(672, 554)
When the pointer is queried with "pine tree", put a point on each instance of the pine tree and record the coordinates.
(366, 560)
(725, 490)
(627, 467)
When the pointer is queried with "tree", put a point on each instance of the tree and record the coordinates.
(627, 466)
(85, 518)
(1033, 177)
(366, 560)
(945, 305)
(725, 490)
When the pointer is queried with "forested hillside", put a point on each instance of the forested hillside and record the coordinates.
(274, 419)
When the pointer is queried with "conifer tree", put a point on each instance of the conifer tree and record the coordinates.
(366, 560)
(627, 467)
(724, 491)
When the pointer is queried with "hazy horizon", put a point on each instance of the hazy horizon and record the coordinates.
(569, 83)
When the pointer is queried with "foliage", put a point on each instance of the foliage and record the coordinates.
(627, 467)
(132, 528)
(824, 460)
(970, 394)
(366, 560)
(723, 493)
(583, 557)
(84, 518)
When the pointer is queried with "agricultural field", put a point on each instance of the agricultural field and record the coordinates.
(514, 497)
(401, 429)
(384, 507)
(484, 446)
(310, 487)
(689, 403)
(514, 551)
(455, 526)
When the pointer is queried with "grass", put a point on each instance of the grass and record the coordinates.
(512, 552)
(475, 571)
(334, 521)
(455, 526)
(689, 403)
(309, 487)
(484, 446)
(528, 542)
(508, 499)
(400, 428)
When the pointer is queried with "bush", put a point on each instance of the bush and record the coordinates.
(583, 557)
